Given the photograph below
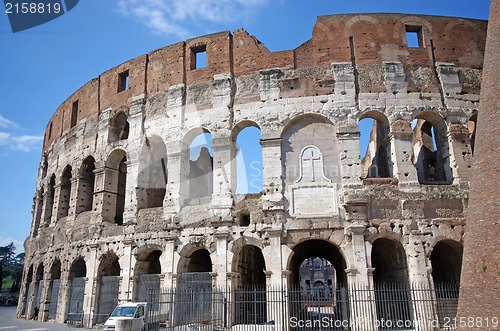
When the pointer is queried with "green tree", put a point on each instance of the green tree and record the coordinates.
(8, 262)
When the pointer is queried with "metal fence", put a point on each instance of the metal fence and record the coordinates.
(77, 293)
(108, 297)
(54, 294)
(383, 306)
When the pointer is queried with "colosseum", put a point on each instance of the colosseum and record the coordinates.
(138, 197)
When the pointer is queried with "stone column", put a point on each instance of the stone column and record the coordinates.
(172, 200)
(73, 195)
(45, 299)
(274, 285)
(362, 296)
(219, 257)
(421, 291)
(47, 211)
(126, 263)
(56, 204)
(350, 163)
(130, 209)
(223, 177)
(460, 153)
(91, 286)
(401, 155)
(106, 179)
(272, 198)
(64, 296)
(167, 260)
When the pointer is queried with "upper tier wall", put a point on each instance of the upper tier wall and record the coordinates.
(366, 40)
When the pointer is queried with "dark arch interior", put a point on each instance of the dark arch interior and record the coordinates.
(321, 249)
(446, 260)
(29, 278)
(110, 266)
(153, 261)
(86, 189)
(199, 261)
(78, 269)
(389, 261)
(39, 272)
(55, 271)
(120, 195)
(251, 266)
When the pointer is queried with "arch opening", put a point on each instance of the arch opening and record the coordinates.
(200, 176)
(374, 146)
(153, 174)
(49, 200)
(119, 128)
(194, 288)
(148, 270)
(318, 281)
(446, 261)
(472, 126)
(55, 282)
(109, 284)
(77, 272)
(248, 161)
(85, 200)
(250, 295)
(65, 193)
(429, 149)
(390, 279)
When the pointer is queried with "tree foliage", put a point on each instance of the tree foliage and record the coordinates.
(11, 264)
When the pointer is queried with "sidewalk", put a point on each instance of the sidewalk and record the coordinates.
(9, 322)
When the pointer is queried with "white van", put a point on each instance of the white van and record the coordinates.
(128, 311)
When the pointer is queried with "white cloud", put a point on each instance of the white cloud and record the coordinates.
(6, 123)
(24, 143)
(172, 16)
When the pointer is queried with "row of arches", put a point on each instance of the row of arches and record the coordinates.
(429, 141)
(431, 152)
(316, 266)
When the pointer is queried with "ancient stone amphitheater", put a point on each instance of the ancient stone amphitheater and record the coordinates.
(127, 207)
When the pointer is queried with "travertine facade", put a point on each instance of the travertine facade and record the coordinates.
(118, 193)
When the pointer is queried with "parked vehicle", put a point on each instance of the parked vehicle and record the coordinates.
(128, 311)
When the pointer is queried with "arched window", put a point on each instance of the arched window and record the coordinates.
(446, 261)
(430, 149)
(147, 270)
(85, 199)
(472, 125)
(109, 284)
(251, 308)
(374, 145)
(55, 282)
(64, 193)
(116, 179)
(153, 173)
(119, 128)
(248, 159)
(49, 199)
(77, 274)
(390, 279)
(200, 175)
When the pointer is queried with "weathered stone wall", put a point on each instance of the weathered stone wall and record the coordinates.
(480, 286)
(315, 200)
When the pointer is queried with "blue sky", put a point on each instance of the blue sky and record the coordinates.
(41, 67)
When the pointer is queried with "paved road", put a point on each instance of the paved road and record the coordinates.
(8, 322)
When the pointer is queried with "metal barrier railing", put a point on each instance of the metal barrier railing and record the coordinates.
(383, 306)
